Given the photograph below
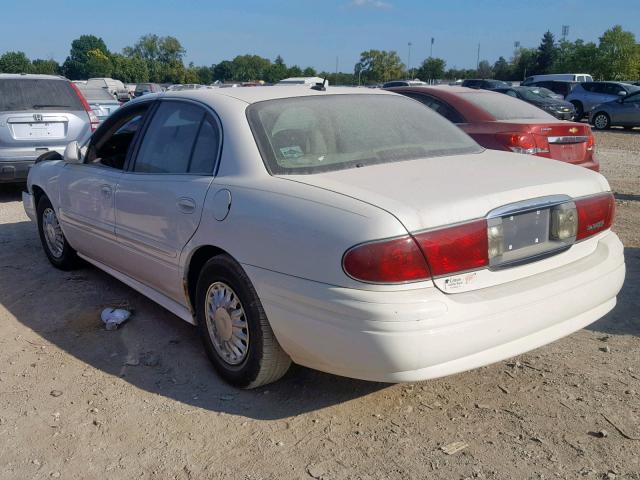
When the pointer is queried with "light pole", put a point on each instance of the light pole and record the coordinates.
(409, 61)
(431, 50)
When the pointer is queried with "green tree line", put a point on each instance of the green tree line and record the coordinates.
(616, 56)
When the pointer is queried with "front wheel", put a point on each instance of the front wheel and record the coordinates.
(234, 327)
(55, 245)
(601, 121)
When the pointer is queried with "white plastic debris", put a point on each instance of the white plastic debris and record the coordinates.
(114, 317)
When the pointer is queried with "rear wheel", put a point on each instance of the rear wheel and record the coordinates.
(579, 111)
(234, 327)
(55, 245)
(601, 121)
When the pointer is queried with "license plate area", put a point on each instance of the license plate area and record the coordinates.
(523, 236)
(26, 131)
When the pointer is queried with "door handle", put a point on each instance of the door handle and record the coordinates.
(106, 191)
(186, 205)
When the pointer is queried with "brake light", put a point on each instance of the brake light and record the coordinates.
(591, 142)
(93, 119)
(595, 214)
(455, 249)
(388, 261)
(522, 143)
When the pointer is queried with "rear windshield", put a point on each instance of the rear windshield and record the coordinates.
(306, 135)
(18, 94)
(142, 87)
(504, 107)
(95, 94)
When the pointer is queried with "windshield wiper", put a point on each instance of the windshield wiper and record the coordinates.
(44, 105)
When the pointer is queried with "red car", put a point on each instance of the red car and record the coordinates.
(500, 122)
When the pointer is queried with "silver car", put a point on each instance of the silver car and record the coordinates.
(38, 113)
(100, 101)
(587, 95)
(623, 112)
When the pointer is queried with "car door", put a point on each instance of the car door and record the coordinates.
(594, 95)
(627, 112)
(160, 196)
(87, 190)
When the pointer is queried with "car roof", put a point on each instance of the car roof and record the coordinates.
(31, 76)
(259, 94)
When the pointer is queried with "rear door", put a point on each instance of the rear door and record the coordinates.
(627, 112)
(39, 114)
(159, 198)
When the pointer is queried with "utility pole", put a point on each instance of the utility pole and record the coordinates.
(478, 58)
(335, 81)
(565, 32)
(409, 61)
(431, 50)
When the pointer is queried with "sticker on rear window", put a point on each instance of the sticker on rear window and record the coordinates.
(292, 152)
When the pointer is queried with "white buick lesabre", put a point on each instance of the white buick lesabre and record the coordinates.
(348, 230)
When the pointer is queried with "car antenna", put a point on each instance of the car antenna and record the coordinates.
(320, 86)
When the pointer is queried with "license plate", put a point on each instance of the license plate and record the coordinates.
(525, 229)
(25, 131)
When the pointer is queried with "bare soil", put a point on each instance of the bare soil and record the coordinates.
(79, 402)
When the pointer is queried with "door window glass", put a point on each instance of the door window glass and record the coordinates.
(206, 149)
(168, 142)
(442, 108)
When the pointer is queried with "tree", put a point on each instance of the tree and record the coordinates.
(276, 71)
(432, 69)
(309, 72)
(576, 56)
(524, 63)
(75, 66)
(147, 47)
(250, 67)
(224, 71)
(618, 55)
(294, 71)
(484, 69)
(46, 67)
(546, 55)
(129, 69)
(502, 70)
(380, 66)
(98, 64)
(15, 62)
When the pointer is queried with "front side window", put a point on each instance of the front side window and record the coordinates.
(169, 143)
(110, 145)
(306, 135)
(439, 106)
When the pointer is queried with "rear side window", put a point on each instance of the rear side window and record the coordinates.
(19, 94)
(95, 94)
(503, 107)
(169, 144)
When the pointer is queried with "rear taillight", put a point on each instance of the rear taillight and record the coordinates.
(595, 214)
(591, 142)
(455, 249)
(396, 260)
(93, 119)
(522, 143)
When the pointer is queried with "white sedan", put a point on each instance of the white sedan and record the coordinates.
(352, 231)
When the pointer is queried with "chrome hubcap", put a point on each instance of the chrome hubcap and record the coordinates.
(227, 323)
(601, 121)
(52, 232)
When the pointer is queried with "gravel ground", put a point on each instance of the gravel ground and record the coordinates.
(80, 402)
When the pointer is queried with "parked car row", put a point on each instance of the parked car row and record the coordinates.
(299, 224)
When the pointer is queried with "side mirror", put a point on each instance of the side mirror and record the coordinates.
(622, 93)
(72, 153)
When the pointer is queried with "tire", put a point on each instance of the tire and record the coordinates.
(601, 121)
(238, 321)
(579, 111)
(55, 245)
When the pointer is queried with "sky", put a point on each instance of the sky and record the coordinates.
(312, 33)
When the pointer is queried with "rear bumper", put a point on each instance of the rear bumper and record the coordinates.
(423, 333)
(15, 171)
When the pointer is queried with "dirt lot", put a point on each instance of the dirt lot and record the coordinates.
(77, 401)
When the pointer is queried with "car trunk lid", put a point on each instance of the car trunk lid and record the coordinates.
(436, 192)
